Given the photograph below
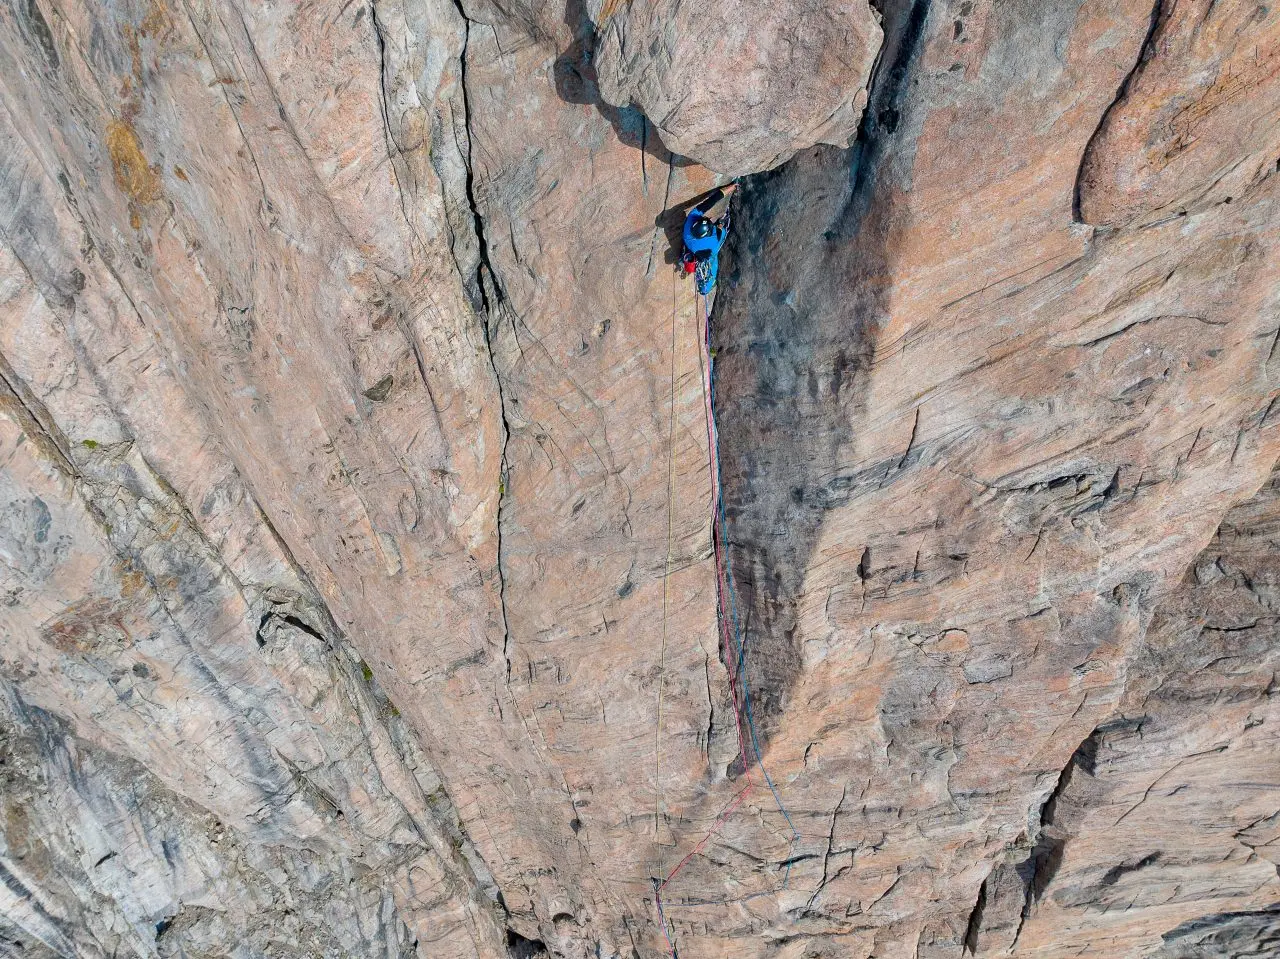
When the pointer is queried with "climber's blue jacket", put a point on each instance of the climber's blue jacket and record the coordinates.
(705, 249)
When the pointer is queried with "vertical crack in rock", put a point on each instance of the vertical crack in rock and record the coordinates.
(489, 294)
(502, 495)
(795, 366)
(974, 925)
(1054, 828)
(1145, 53)
(470, 254)
(454, 167)
(488, 301)
(502, 476)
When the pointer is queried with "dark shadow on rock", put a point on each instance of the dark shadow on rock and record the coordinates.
(904, 24)
(803, 296)
(575, 81)
(793, 351)
(1223, 935)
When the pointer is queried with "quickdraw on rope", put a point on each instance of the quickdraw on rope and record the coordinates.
(702, 274)
(730, 633)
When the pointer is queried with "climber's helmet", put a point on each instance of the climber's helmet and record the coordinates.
(702, 228)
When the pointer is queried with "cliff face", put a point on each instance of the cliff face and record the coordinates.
(355, 510)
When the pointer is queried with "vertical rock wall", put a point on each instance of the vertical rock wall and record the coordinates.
(358, 586)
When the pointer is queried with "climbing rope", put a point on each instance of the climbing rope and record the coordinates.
(730, 633)
(725, 562)
(666, 575)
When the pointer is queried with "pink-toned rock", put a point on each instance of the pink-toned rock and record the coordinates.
(1195, 123)
(739, 87)
(359, 593)
(1169, 807)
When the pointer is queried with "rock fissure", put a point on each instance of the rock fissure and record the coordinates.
(491, 304)
(502, 495)
(974, 923)
(904, 31)
(35, 419)
(488, 290)
(224, 473)
(1048, 843)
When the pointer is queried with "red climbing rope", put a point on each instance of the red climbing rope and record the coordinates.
(733, 645)
(731, 661)
(713, 444)
(721, 543)
(734, 653)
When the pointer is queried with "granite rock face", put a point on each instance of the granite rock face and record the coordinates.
(739, 87)
(1193, 125)
(359, 594)
(1167, 808)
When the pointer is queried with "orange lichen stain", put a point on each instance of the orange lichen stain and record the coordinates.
(156, 22)
(609, 8)
(156, 25)
(180, 173)
(132, 582)
(137, 179)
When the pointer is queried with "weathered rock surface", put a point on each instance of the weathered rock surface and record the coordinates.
(1194, 122)
(1163, 828)
(739, 87)
(359, 595)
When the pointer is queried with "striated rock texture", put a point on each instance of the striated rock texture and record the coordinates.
(358, 588)
(1166, 809)
(739, 87)
(1194, 123)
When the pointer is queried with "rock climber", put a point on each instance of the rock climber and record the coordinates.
(703, 237)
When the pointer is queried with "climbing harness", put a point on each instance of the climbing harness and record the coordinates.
(730, 633)
(702, 275)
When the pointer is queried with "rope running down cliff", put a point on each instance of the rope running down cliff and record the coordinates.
(727, 616)
(666, 579)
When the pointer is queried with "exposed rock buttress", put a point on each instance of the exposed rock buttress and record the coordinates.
(358, 588)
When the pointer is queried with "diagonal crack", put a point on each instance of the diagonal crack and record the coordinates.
(34, 419)
(831, 841)
(488, 300)
(974, 925)
(1144, 54)
(488, 294)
